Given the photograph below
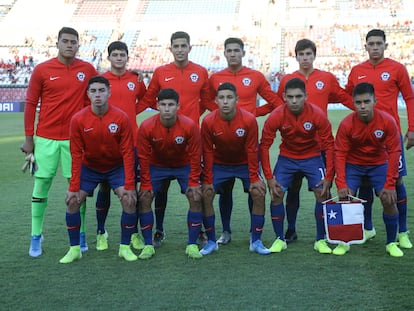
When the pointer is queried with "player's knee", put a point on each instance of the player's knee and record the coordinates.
(41, 187)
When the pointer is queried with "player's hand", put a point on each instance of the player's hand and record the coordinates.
(195, 192)
(259, 186)
(205, 188)
(409, 139)
(388, 196)
(28, 145)
(275, 189)
(326, 188)
(343, 194)
(72, 196)
(128, 197)
(145, 194)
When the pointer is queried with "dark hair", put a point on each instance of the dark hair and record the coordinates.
(304, 44)
(363, 88)
(68, 30)
(117, 45)
(99, 79)
(168, 94)
(295, 83)
(234, 40)
(227, 86)
(375, 33)
(180, 35)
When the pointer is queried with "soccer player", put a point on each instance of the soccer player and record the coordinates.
(389, 79)
(249, 83)
(305, 130)
(322, 88)
(102, 148)
(59, 84)
(169, 147)
(368, 145)
(190, 81)
(126, 93)
(230, 150)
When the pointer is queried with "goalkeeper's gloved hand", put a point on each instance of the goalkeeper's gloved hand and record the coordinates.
(30, 164)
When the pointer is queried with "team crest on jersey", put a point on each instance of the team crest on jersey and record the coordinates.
(194, 77)
(307, 126)
(179, 140)
(385, 76)
(81, 76)
(319, 85)
(246, 81)
(131, 86)
(378, 133)
(113, 128)
(240, 132)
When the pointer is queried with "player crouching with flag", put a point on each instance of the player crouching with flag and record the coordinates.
(368, 146)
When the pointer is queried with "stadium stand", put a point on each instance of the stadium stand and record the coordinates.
(269, 28)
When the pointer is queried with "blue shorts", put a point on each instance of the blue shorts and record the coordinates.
(287, 169)
(224, 173)
(402, 166)
(376, 175)
(161, 174)
(91, 178)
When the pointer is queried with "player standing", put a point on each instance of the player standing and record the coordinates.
(305, 130)
(126, 93)
(249, 84)
(190, 81)
(322, 88)
(389, 78)
(59, 84)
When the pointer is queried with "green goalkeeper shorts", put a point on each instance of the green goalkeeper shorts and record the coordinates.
(48, 154)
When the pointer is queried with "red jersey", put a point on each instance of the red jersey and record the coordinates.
(249, 83)
(126, 92)
(375, 143)
(322, 88)
(389, 79)
(101, 143)
(233, 142)
(303, 136)
(176, 146)
(190, 82)
(61, 90)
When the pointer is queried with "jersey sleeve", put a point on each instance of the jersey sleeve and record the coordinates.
(194, 149)
(144, 154)
(327, 144)
(127, 151)
(407, 92)
(252, 150)
(208, 152)
(393, 143)
(342, 147)
(32, 99)
(76, 150)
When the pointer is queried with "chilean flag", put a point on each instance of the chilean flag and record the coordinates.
(344, 222)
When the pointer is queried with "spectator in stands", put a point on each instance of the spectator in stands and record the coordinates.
(60, 85)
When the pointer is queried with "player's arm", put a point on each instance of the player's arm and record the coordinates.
(407, 92)
(127, 151)
(144, 154)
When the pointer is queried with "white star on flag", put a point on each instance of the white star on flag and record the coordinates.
(332, 214)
